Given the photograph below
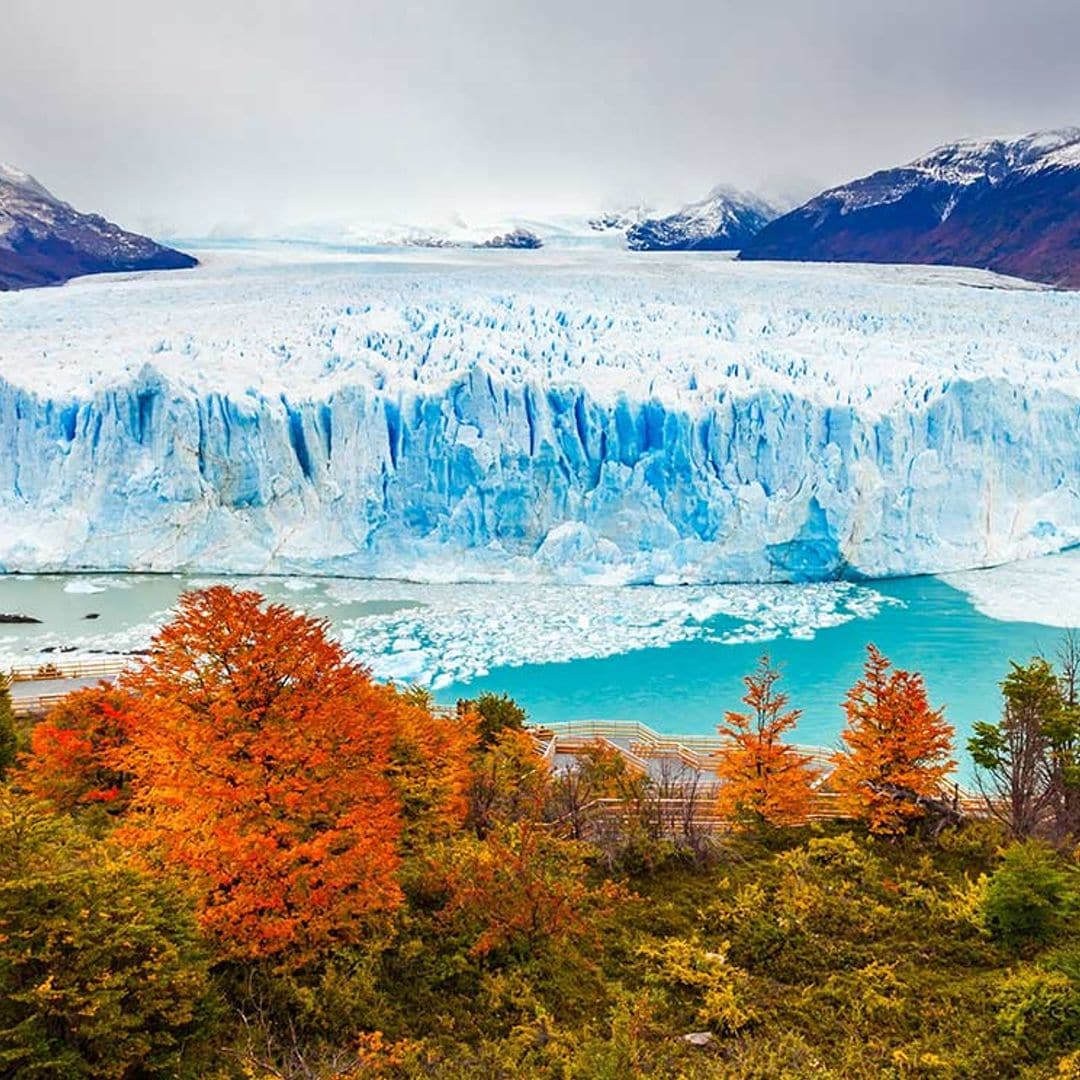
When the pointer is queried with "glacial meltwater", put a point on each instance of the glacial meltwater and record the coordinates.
(671, 657)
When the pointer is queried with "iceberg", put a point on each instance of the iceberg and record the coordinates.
(566, 416)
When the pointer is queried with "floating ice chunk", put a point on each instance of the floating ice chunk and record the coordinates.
(444, 634)
(80, 586)
(1043, 591)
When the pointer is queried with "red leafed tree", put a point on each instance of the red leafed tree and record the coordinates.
(259, 755)
(519, 889)
(762, 777)
(897, 748)
(73, 751)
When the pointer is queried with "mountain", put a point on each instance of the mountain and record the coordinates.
(44, 241)
(621, 219)
(516, 238)
(724, 220)
(1009, 205)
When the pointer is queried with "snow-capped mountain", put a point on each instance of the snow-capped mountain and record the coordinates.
(571, 416)
(44, 241)
(725, 220)
(621, 219)
(1009, 205)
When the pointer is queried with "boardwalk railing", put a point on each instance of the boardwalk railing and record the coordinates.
(30, 704)
(686, 797)
(106, 667)
(37, 705)
(640, 741)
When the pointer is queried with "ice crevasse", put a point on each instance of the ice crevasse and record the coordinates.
(690, 421)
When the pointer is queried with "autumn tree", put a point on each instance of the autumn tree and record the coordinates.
(258, 754)
(431, 767)
(598, 772)
(519, 889)
(102, 973)
(763, 778)
(897, 752)
(73, 759)
(510, 782)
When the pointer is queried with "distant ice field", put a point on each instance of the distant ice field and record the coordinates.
(293, 318)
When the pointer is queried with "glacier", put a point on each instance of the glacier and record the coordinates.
(572, 416)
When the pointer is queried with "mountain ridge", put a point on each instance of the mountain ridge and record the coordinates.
(1009, 205)
(46, 241)
(723, 221)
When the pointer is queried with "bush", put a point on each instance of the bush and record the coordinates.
(1040, 1009)
(101, 973)
(694, 975)
(9, 740)
(1027, 895)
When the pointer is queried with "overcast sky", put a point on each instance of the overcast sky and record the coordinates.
(187, 115)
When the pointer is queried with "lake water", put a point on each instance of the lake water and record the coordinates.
(671, 657)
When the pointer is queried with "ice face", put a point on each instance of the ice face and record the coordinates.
(593, 417)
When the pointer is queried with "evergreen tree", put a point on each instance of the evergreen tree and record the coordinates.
(1027, 762)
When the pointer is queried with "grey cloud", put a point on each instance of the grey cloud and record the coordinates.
(277, 112)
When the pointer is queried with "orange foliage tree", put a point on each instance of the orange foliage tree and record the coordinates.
(897, 748)
(74, 750)
(259, 756)
(519, 889)
(762, 777)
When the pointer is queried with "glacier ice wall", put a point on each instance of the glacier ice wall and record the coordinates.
(564, 446)
(483, 479)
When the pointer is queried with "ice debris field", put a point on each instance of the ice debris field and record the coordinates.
(564, 415)
(436, 635)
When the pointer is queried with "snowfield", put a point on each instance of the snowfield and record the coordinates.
(565, 415)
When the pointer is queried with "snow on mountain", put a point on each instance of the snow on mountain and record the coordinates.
(621, 219)
(44, 241)
(724, 220)
(573, 416)
(1010, 205)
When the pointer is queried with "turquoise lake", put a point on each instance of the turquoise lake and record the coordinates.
(670, 657)
(685, 687)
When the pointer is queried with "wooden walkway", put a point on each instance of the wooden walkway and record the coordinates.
(35, 690)
(643, 747)
(685, 768)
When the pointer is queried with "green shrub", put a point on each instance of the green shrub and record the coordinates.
(1027, 895)
(101, 972)
(1040, 1010)
(704, 979)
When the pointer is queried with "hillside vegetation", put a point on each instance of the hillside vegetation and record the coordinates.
(247, 859)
